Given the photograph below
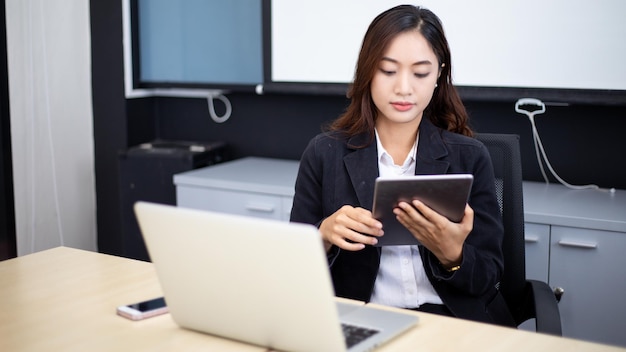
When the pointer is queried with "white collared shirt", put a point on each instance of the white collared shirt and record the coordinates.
(401, 280)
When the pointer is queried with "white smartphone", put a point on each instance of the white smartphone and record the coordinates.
(143, 310)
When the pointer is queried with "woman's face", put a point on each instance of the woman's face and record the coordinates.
(404, 82)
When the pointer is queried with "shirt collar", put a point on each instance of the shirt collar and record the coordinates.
(382, 152)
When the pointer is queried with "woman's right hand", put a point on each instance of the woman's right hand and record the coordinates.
(350, 228)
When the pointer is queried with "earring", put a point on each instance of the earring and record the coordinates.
(436, 85)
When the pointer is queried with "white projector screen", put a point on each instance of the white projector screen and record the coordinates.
(570, 44)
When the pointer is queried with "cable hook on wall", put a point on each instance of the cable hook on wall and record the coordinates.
(210, 95)
(227, 105)
(539, 150)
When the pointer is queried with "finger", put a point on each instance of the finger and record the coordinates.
(361, 221)
(409, 214)
(405, 220)
(356, 237)
(350, 246)
(425, 211)
(367, 221)
(354, 241)
(468, 217)
(340, 234)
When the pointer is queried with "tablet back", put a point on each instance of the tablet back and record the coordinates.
(446, 194)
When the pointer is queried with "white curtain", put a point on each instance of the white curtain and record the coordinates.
(49, 59)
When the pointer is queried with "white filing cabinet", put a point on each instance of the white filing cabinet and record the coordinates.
(537, 238)
(259, 187)
(575, 240)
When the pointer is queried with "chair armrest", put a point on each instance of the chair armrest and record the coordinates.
(547, 316)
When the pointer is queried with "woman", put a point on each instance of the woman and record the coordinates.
(405, 117)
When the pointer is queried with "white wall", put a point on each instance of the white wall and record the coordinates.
(574, 44)
(48, 43)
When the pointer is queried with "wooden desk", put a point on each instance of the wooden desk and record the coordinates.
(64, 299)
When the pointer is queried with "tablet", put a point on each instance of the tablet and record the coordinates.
(446, 194)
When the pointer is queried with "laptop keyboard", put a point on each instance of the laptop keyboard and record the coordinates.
(355, 334)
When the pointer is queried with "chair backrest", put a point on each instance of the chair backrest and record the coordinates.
(507, 164)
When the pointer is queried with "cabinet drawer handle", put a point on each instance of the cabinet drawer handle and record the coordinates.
(575, 244)
(558, 293)
(531, 239)
(263, 208)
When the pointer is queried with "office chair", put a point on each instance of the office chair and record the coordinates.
(526, 299)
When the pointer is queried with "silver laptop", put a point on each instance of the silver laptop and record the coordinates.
(260, 281)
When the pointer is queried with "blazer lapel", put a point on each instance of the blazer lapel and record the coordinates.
(431, 151)
(362, 168)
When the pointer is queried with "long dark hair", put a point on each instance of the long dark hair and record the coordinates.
(445, 109)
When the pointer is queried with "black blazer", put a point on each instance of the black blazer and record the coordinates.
(333, 174)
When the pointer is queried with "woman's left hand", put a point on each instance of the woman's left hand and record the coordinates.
(441, 236)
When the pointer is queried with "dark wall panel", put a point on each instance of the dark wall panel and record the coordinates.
(583, 142)
(109, 116)
(267, 125)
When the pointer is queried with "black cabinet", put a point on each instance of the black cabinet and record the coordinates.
(146, 173)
